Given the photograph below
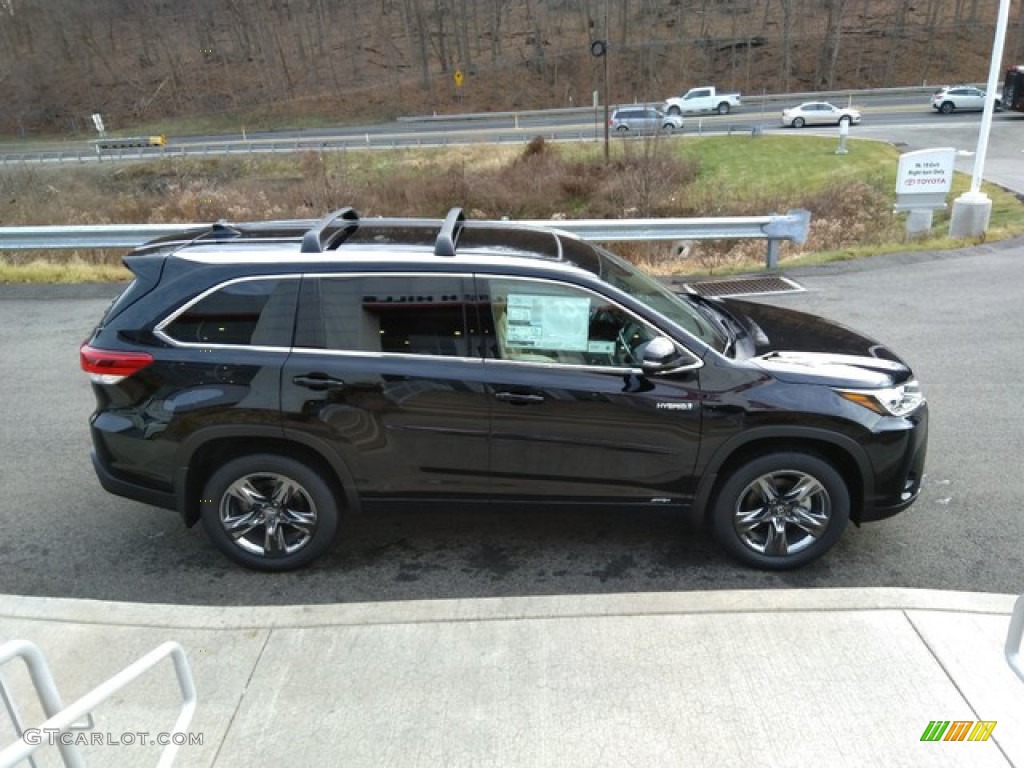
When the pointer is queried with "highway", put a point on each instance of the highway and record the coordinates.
(886, 113)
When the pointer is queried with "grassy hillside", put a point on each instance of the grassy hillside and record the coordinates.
(850, 196)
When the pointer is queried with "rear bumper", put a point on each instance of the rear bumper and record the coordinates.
(129, 489)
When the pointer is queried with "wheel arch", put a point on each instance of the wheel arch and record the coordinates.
(207, 450)
(840, 451)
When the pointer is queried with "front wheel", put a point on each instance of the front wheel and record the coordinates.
(269, 512)
(798, 122)
(675, 111)
(668, 128)
(947, 107)
(845, 121)
(781, 511)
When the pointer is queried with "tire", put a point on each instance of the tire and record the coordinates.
(668, 128)
(845, 120)
(723, 108)
(292, 499)
(947, 107)
(798, 122)
(622, 129)
(753, 503)
(675, 111)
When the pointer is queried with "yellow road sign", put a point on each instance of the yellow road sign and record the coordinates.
(458, 78)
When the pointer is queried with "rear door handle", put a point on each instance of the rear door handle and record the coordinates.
(518, 398)
(318, 382)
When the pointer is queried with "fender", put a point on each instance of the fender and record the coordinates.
(782, 432)
(242, 432)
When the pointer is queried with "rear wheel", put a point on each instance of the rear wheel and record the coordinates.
(723, 108)
(781, 511)
(269, 512)
(622, 129)
(668, 128)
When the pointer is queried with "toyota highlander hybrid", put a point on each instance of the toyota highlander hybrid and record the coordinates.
(270, 380)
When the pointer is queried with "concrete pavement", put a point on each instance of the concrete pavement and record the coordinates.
(837, 677)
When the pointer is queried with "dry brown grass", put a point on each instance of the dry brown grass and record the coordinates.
(645, 178)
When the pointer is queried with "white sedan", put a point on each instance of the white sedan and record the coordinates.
(819, 113)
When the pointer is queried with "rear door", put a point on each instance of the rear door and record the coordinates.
(387, 373)
(572, 416)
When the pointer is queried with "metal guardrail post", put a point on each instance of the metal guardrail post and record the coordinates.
(1014, 637)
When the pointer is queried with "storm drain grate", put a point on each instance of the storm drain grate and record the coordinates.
(746, 286)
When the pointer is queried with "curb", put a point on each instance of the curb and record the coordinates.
(106, 613)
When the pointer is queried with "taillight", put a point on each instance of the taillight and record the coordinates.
(109, 367)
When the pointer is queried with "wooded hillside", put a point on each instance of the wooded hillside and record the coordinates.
(140, 61)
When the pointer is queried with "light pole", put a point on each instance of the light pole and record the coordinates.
(599, 48)
(971, 211)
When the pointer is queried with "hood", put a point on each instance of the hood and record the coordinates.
(797, 346)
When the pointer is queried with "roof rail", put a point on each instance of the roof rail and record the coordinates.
(450, 229)
(312, 241)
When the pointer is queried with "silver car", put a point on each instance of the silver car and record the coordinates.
(644, 120)
(819, 113)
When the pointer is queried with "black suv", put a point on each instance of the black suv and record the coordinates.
(266, 379)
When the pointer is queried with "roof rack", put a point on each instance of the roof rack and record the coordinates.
(450, 229)
(313, 242)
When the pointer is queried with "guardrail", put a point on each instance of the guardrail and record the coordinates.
(1014, 637)
(63, 719)
(792, 226)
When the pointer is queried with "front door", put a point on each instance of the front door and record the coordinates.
(573, 417)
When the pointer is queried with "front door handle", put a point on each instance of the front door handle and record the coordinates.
(518, 398)
(318, 382)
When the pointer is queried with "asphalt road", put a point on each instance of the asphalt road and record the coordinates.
(955, 316)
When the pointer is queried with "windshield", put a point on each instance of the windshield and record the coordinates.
(676, 308)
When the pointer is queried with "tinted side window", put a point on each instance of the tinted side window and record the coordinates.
(403, 314)
(256, 312)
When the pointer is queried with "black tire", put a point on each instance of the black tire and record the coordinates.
(798, 122)
(622, 129)
(723, 108)
(947, 107)
(288, 511)
(845, 119)
(752, 504)
(668, 128)
(674, 110)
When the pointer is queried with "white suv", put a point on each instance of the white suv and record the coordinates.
(959, 98)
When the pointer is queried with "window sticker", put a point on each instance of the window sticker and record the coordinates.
(547, 322)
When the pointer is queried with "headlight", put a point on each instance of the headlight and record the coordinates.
(892, 401)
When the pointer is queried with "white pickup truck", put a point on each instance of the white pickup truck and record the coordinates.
(703, 99)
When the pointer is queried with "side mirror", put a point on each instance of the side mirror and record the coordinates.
(660, 354)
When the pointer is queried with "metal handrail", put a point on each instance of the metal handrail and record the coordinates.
(1014, 637)
(792, 226)
(62, 719)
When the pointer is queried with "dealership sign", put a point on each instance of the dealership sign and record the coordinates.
(924, 178)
